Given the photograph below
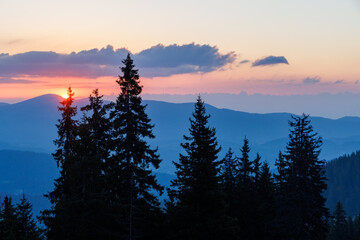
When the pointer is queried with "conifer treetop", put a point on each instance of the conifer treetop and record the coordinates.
(129, 81)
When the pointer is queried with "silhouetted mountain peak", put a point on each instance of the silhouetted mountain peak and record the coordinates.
(47, 99)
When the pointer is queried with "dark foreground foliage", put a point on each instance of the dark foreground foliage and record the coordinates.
(17, 222)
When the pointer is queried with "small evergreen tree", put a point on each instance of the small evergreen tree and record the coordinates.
(280, 176)
(280, 199)
(246, 165)
(229, 181)
(338, 228)
(197, 204)
(266, 207)
(9, 223)
(357, 227)
(350, 230)
(27, 228)
(256, 167)
(228, 174)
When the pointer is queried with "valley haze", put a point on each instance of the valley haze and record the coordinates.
(30, 125)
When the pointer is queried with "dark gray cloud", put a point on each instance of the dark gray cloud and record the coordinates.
(270, 60)
(311, 80)
(15, 81)
(104, 56)
(203, 57)
(156, 61)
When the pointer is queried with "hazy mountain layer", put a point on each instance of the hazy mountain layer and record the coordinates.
(30, 125)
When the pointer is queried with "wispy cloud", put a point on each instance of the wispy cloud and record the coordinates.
(9, 80)
(311, 80)
(270, 60)
(339, 81)
(12, 41)
(244, 61)
(156, 61)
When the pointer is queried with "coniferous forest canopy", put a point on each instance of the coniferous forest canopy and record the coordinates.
(107, 188)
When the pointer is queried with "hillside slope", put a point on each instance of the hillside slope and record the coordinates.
(343, 175)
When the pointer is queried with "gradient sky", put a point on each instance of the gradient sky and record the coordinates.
(277, 47)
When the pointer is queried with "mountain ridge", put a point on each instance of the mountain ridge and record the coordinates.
(30, 125)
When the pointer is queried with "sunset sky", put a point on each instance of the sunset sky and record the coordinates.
(277, 47)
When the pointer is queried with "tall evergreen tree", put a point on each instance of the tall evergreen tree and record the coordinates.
(304, 213)
(129, 173)
(197, 204)
(59, 220)
(246, 195)
(27, 228)
(91, 151)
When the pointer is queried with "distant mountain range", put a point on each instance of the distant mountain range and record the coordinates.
(323, 104)
(27, 131)
(30, 126)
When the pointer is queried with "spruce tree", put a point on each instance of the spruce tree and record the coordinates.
(197, 205)
(280, 199)
(60, 220)
(357, 227)
(27, 228)
(304, 214)
(246, 197)
(350, 230)
(338, 228)
(266, 207)
(280, 176)
(246, 165)
(129, 175)
(256, 167)
(228, 176)
(91, 151)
